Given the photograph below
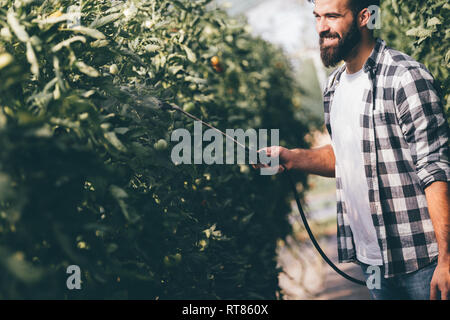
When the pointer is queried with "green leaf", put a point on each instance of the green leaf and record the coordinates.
(419, 32)
(152, 48)
(112, 247)
(195, 80)
(433, 21)
(118, 192)
(179, 4)
(97, 23)
(53, 20)
(87, 70)
(19, 267)
(99, 43)
(31, 57)
(16, 27)
(88, 31)
(66, 43)
(395, 6)
(113, 140)
(190, 54)
(175, 69)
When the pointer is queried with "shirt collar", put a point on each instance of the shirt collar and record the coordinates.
(375, 57)
(371, 64)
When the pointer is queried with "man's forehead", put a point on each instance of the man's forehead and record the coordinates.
(327, 6)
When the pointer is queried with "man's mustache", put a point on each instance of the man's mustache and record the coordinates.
(328, 35)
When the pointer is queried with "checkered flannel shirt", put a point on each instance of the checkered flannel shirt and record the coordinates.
(405, 148)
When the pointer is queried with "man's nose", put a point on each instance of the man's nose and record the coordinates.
(322, 25)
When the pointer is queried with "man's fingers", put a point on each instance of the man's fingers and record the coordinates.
(266, 150)
(259, 165)
(433, 291)
(271, 151)
(444, 295)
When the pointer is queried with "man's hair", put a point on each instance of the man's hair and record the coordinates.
(357, 5)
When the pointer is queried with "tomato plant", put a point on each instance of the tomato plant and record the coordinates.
(85, 172)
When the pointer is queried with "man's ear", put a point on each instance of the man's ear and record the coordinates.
(364, 18)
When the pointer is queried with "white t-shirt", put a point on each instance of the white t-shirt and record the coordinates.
(345, 113)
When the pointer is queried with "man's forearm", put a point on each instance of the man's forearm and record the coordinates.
(438, 198)
(320, 161)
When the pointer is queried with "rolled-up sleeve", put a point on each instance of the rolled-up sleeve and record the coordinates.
(424, 125)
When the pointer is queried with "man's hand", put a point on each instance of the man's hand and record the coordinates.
(438, 198)
(320, 161)
(284, 155)
(440, 281)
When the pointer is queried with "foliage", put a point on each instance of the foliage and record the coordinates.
(420, 29)
(85, 174)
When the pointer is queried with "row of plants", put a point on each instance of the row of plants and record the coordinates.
(85, 172)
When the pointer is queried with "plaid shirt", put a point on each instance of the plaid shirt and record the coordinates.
(405, 148)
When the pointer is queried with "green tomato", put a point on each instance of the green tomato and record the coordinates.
(5, 59)
(113, 69)
(189, 107)
(160, 145)
(167, 261)
(244, 169)
(177, 258)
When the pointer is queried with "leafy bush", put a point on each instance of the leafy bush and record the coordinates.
(85, 177)
(420, 29)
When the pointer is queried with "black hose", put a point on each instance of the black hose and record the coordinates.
(311, 235)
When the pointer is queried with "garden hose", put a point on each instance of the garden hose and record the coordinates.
(166, 106)
(311, 235)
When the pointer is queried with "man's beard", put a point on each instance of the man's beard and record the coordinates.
(332, 55)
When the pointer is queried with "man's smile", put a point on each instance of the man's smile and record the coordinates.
(329, 42)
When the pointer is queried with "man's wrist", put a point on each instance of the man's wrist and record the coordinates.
(444, 258)
(291, 158)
